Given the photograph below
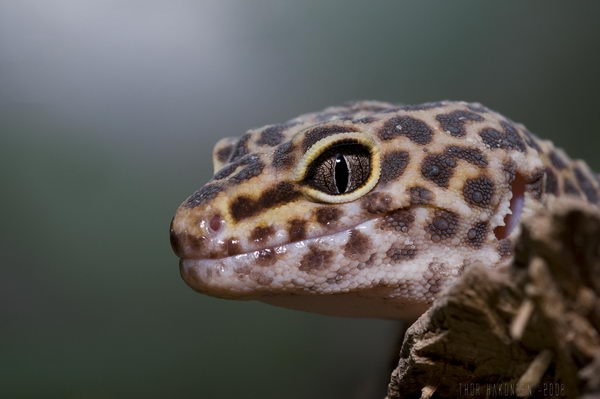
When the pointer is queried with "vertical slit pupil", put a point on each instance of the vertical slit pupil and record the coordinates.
(342, 173)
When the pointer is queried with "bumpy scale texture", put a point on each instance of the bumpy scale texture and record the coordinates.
(448, 172)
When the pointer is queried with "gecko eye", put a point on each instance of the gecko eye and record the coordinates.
(340, 169)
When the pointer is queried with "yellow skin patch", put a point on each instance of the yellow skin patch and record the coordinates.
(381, 242)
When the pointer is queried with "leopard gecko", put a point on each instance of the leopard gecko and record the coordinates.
(369, 209)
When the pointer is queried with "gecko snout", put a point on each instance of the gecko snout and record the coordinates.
(195, 237)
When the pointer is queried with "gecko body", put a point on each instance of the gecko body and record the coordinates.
(369, 209)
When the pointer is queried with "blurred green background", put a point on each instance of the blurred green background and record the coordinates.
(108, 113)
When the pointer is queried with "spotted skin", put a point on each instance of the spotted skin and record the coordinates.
(441, 202)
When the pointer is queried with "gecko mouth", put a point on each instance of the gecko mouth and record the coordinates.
(222, 277)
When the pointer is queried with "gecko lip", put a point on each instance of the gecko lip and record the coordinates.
(222, 276)
(281, 269)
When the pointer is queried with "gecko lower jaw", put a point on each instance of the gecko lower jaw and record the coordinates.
(277, 268)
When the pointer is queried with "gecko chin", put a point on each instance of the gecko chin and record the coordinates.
(233, 278)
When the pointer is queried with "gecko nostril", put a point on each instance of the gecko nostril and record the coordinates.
(215, 223)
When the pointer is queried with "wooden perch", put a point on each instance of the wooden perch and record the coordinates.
(528, 330)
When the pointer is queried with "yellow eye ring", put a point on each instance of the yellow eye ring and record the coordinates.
(327, 143)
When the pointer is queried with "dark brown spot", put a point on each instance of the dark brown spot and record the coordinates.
(358, 244)
(476, 234)
(400, 220)
(252, 167)
(505, 248)
(556, 160)
(206, 193)
(185, 245)
(551, 182)
(510, 171)
(297, 230)
(261, 234)
(240, 148)
(272, 135)
(283, 157)
(570, 188)
(586, 186)
(479, 191)
(368, 262)
(226, 171)
(508, 140)
(436, 285)
(261, 279)
(393, 165)
(315, 259)
(438, 168)
(454, 122)
(472, 155)
(242, 271)
(244, 207)
(443, 225)
(416, 130)
(376, 203)
(232, 247)
(535, 183)
(401, 252)
(420, 196)
(318, 133)
(224, 153)
(266, 257)
(532, 140)
(328, 215)
(435, 277)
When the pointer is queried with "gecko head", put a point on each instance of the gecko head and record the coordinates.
(363, 210)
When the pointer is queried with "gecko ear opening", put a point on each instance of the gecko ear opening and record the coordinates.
(513, 218)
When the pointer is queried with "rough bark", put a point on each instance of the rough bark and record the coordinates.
(528, 330)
